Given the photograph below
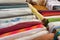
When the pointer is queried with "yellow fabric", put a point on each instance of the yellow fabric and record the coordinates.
(35, 12)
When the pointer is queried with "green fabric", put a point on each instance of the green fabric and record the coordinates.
(53, 19)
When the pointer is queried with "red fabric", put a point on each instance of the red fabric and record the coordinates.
(50, 13)
(18, 26)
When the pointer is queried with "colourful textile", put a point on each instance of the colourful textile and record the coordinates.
(50, 13)
(18, 26)
(22, 30)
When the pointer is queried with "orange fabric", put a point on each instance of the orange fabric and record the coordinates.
(22, 30)
(38, 7)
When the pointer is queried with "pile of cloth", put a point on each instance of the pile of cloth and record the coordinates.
(49, 14)
(17, 21)
(29, 20)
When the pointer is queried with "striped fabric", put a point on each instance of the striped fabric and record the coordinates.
(22, 30)
(18, 26)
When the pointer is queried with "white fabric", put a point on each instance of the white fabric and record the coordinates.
(12, 1)
(52, 17)
(14, 11)
(33, 36)
(52, 24)
(4, 25)
(51, 3)
(24, 34)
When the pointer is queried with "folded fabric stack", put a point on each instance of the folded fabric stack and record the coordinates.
(53, 26)
(20, 20)
(14, 9)
(50, 17)
(28, 31)
(52, 21)
(17, 21)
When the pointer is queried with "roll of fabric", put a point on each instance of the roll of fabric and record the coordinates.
(17, 18)
(50, 13)
(53, 19)
(31, 37)
(55, 27)
(15, 12)
(47, 17)
(7, 22)
(13, 9)
(18, 26)
(49, 36)
(22, 32)
(13, 5)
(52, 25)
(50, 18)
(12, 1)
